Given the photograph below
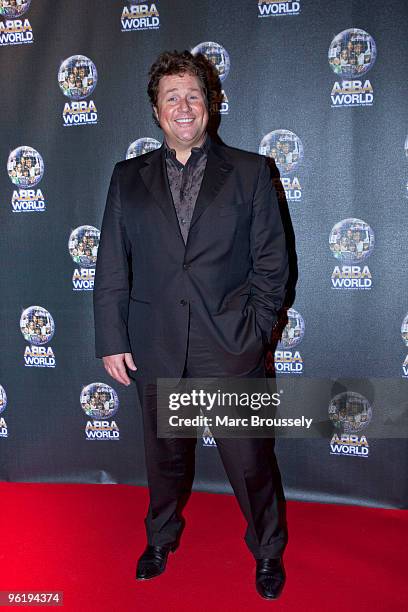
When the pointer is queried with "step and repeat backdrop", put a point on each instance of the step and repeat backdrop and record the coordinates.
(319, 86)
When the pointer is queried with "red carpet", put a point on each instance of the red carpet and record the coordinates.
(84, 540)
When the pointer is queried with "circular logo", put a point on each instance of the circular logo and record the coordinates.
(77, 77)
(3, 399)
(14, 8)
(25, 167)
(351, 240)
(350, 412)
(285, 147)
(352, 53)
(99, 401)
(83, 245)
(217, 55)
(404, 330)
(294, 330)
(142, 146)
(37, 325)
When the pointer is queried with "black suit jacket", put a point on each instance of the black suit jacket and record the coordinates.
(232, 271)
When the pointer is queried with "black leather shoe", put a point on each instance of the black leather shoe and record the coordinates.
(153, 562)
(270, 577)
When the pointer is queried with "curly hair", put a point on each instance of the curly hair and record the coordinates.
(175, 62)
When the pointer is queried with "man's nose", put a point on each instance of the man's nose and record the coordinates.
(184, 104)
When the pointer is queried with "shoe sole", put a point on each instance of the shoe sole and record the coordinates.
(150, 578)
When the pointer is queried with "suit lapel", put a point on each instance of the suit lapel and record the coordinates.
(216, 172)
(154, 176)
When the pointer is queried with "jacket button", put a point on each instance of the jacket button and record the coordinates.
(186, 266)
(183, 302)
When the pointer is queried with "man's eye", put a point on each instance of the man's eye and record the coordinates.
(172, 99)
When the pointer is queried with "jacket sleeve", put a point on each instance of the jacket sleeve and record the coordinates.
(112, 286)
(270, 268)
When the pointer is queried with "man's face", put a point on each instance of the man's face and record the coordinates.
(181, 110)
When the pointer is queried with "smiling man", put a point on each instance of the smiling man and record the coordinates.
(191, 273)
(182, 113)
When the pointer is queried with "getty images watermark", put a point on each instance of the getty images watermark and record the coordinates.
(223, 400)
(229, 407)
(291, 407)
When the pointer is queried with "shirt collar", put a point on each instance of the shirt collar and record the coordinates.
(196, 152)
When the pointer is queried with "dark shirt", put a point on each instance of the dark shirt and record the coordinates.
(185, 182)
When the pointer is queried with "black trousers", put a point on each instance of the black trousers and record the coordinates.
(249, 463)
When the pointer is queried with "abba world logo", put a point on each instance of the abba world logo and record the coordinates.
(25, 168)
(100, 403)
(288, 359)
(274, 8)
(37, 327)
(83, 246)
(350, 412)
(3, 406)
(13, 30)
(138, 15)
(351, 242)
(220, 59)
(142, 146)
(77, 79)
(286, 149)
(352, 54)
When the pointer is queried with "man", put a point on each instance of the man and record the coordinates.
(191, 272)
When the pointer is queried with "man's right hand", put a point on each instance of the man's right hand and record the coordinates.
(115, 365)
